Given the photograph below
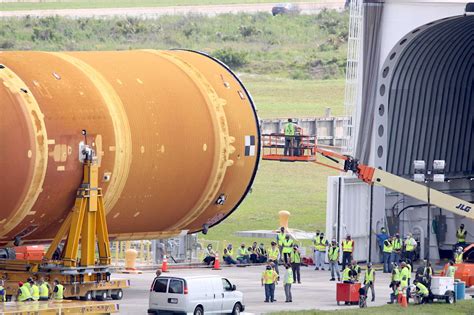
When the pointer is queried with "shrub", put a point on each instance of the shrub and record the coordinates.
(232, 58)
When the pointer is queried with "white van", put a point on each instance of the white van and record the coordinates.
(194, 295)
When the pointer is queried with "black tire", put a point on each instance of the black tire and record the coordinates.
(198, 310)
(101, 296)
(237, 309)
(118, 295)
(338, 303)
(450, 298)
(87, 296)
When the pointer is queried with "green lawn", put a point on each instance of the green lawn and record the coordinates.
(85, 4)
(461, 307)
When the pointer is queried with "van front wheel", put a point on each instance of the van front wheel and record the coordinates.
(198, 311)
(237, 309)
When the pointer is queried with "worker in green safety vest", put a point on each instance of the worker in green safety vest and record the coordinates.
(34, 290)
(458, 255)
(243, 254)
(451, 270)
(229, 255)
(290, 130)
(269, 280)
(287, 248)
(58, 291)
(273, 254)
(405, 275)
(396, 250)
(333, 257)
(422, 291)
(295, 259)
(348, 274)
(320, 242)
(461, 236)
(410, 248)
(24, 293)
(287, 282)
(3, 292)
(43, 290)
(387, 253)
(281, 235)
(369, 281)
(394, 283)
(347, 250)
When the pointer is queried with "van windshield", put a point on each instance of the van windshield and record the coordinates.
(160, 285)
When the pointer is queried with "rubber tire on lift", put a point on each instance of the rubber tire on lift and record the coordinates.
(118, 295)
(102, 296)
(199, 310)
(87, 296)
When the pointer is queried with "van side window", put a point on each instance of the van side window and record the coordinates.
(226, 284)
(160, 285)
(176, 286)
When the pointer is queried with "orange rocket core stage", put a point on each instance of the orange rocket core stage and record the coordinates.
(175, 132)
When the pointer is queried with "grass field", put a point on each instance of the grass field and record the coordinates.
(88, 4)
(460, 308)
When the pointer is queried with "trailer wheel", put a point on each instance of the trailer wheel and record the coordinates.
(87, 296)
(450, 298)
(118, 295)
(101, 295)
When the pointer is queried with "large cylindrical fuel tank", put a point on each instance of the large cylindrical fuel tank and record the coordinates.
(176, 136)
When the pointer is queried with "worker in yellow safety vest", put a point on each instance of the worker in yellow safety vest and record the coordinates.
(404, 278)
(287, 282)
(348, 274)
(451, 270)
(34, 290)
(410, 248)
(394, 283)
(461, 236)
(347, 250)
(320, 242)
(333, 257)
(295, 258)
(273, 254)
(290, 129)
(269, 280)
(281, 235)
(58, 291)
(396, 254)
(356, 270)
(458, 255)
(369, 281)
(387, 253)
(243, 254)
(3, 292)
(287, 248)
(24, 293)
(422, 291)
(43, 290)
(229, 255)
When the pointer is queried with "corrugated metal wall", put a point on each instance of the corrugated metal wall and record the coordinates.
(431, 99)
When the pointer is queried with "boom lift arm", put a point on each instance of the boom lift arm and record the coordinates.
(372, 175)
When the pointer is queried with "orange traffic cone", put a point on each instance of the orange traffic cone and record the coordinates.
(403, 302)
(217, 264)
(164, 265)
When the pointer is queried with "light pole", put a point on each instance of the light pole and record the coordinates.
(436, 176)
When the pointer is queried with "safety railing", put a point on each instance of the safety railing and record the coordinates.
(278, 146)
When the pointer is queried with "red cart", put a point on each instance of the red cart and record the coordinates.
(347, 292)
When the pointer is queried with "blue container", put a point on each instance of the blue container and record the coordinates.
(459, 290)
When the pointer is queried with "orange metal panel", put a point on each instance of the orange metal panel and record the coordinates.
(174, 131)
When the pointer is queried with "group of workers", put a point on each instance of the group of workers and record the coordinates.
(32, 290)
(394, 248)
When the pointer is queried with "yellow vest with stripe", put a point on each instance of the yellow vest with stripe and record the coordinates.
(24, 293)
(35, 292)
(273, 253)
(347, 246)
(369, 276)
(387, 248)
(333, 254)
(396, 275)
(346, 274)
(290, 129)
(422, 289)
(408, 245)
(60, 294)
(396, 244)
(44, 290)
(460, 235)
(229, 252)
(458, 258)
(451, 271)
(268, 276)
(280, 238)
(243, 252)
(320, 244)
(287, 246)
(289, 278)
(295, 257)
(404, 275)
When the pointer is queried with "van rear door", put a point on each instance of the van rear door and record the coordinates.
(158, 293)
(176, 299)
